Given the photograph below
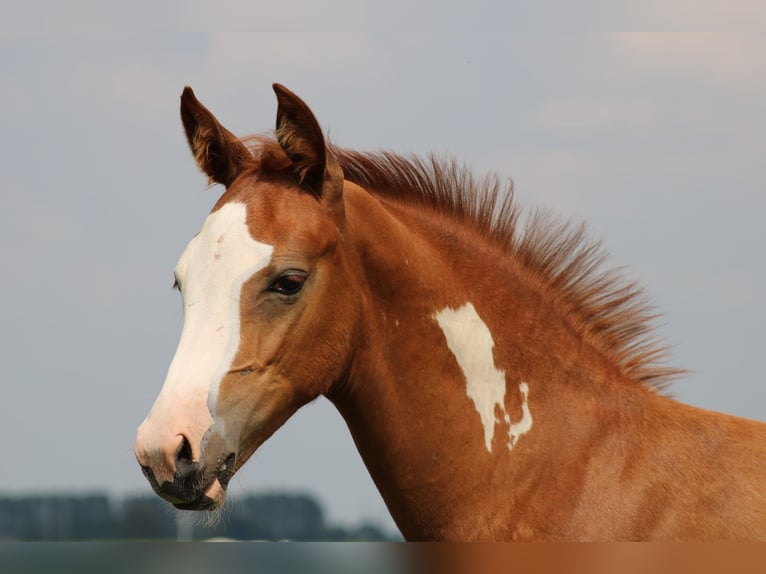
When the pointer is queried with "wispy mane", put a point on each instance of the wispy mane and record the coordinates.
(609, 311)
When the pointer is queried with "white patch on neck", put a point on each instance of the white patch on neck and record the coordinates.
(211, 272)
(471, 342)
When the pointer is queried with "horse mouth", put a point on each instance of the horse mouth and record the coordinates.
(195, 490)
(214, 493)
(211, 499)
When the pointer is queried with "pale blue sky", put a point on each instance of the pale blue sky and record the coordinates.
(656, 139)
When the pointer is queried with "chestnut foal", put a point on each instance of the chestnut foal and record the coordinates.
(498, 384)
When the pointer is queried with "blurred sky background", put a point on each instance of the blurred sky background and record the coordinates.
(657, 139)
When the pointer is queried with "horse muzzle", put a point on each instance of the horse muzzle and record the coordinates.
(189, 478)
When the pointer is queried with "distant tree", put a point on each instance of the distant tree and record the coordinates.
(146, 517)
(58, 517)
(276, 516)
(269, 517)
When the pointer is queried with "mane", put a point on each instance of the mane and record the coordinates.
(609, 311)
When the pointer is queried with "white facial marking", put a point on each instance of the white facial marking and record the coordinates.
(471, 342)
(211, 273)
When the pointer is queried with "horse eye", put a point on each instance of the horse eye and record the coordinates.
(289, 283)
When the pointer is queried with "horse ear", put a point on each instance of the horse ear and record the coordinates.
(218, 152)
(301, 138)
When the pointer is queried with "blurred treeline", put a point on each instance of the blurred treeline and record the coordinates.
(98, 517)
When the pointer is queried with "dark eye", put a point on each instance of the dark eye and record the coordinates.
(289, 283)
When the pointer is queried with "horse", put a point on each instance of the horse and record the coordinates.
(499, 382)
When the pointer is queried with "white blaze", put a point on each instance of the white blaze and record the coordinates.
(471, 342)
(211, 273)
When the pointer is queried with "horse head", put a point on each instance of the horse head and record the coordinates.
(267, 321)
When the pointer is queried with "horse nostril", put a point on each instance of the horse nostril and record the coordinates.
(184, 453)
(185, 464)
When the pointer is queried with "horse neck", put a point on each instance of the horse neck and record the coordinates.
(435, 437)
